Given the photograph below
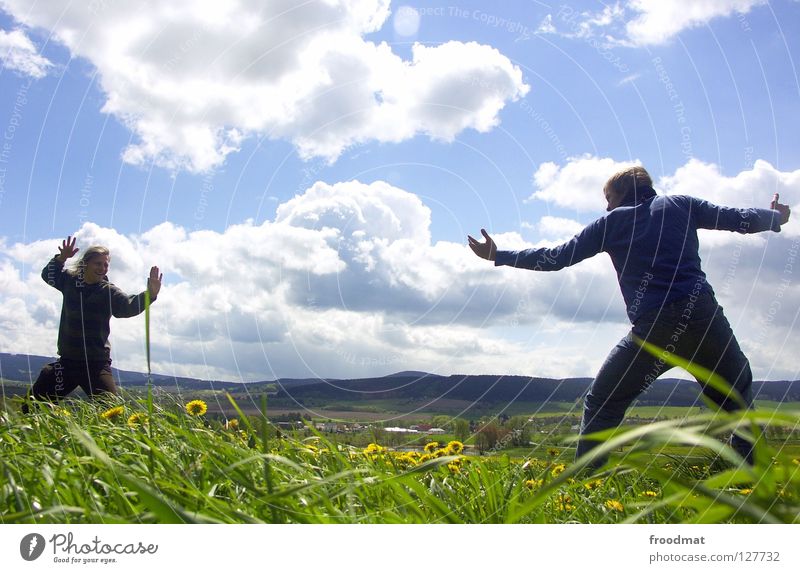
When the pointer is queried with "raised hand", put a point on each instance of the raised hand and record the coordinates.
(154, 282)
(784, 210)
(67, 249)
(486, 250)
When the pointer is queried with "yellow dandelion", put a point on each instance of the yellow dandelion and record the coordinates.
(374, 449)
(649, 493)
(745, 491)
(533, 483)
(613, 504)
(455, 447)
(557, 470)
(113, 413)
(232, 425)
(425, 457)
(553, 452)
(454, 467)
(594, 484)
(62, 412)
(431, 446)
(137, 419)
(564, 502)
(196, 408)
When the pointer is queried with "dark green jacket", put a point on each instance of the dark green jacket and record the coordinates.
(86, 313)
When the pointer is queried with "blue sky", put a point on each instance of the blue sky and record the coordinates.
(306, 173)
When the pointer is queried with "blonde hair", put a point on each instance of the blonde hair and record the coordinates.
(92, 252)
(629, 181)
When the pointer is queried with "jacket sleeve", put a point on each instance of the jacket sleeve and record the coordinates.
(54, 275)
(709, 216)
(585, 244)
(126, 306)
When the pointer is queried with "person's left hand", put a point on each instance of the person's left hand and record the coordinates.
(154, 282)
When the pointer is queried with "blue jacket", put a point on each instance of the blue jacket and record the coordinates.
(652, 244)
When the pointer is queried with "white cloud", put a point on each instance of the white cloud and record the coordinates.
(642, 22)
(18, 53)
(192, 82)
(578, 184)
(346, 281)
(658, 21)
(558, 228)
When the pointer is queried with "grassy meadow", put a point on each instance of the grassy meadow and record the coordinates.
(136, 461)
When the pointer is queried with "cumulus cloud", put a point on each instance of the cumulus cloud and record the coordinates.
(193, 82)
(641, 22)
(657, 21)
(578, 184)
(18, 53)
(347, 281)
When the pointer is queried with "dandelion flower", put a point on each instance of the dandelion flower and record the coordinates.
(557, 470)
(374, 449)
(533, 483)
(113, 413)
(564, 502)
(196, 408)
(745, 491)
(232, 425)
(649, 493)
(454, 467)
(594, 484)
(431, 446)
(614, 505)
(455, 447)
(137, 419)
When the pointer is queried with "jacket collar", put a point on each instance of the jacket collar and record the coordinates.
(637, 196)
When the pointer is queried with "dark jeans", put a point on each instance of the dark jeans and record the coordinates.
(693, 328)
(61, 377)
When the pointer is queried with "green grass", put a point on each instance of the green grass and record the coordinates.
(71, 465)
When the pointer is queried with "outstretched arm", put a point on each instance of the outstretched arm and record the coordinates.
(486, 250)
(585, 244)
(753, 220)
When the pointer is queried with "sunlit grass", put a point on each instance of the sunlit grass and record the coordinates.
(70, 464)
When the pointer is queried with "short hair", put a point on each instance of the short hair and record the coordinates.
(629, 180)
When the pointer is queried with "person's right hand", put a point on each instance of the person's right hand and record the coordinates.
(67, 249)
(784, 210)
(486, 250)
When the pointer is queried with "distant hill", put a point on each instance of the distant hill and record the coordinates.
(25, 368)
(506, 389)
(414, 386)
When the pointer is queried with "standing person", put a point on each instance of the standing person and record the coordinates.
(89, 302)
(653, 245)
